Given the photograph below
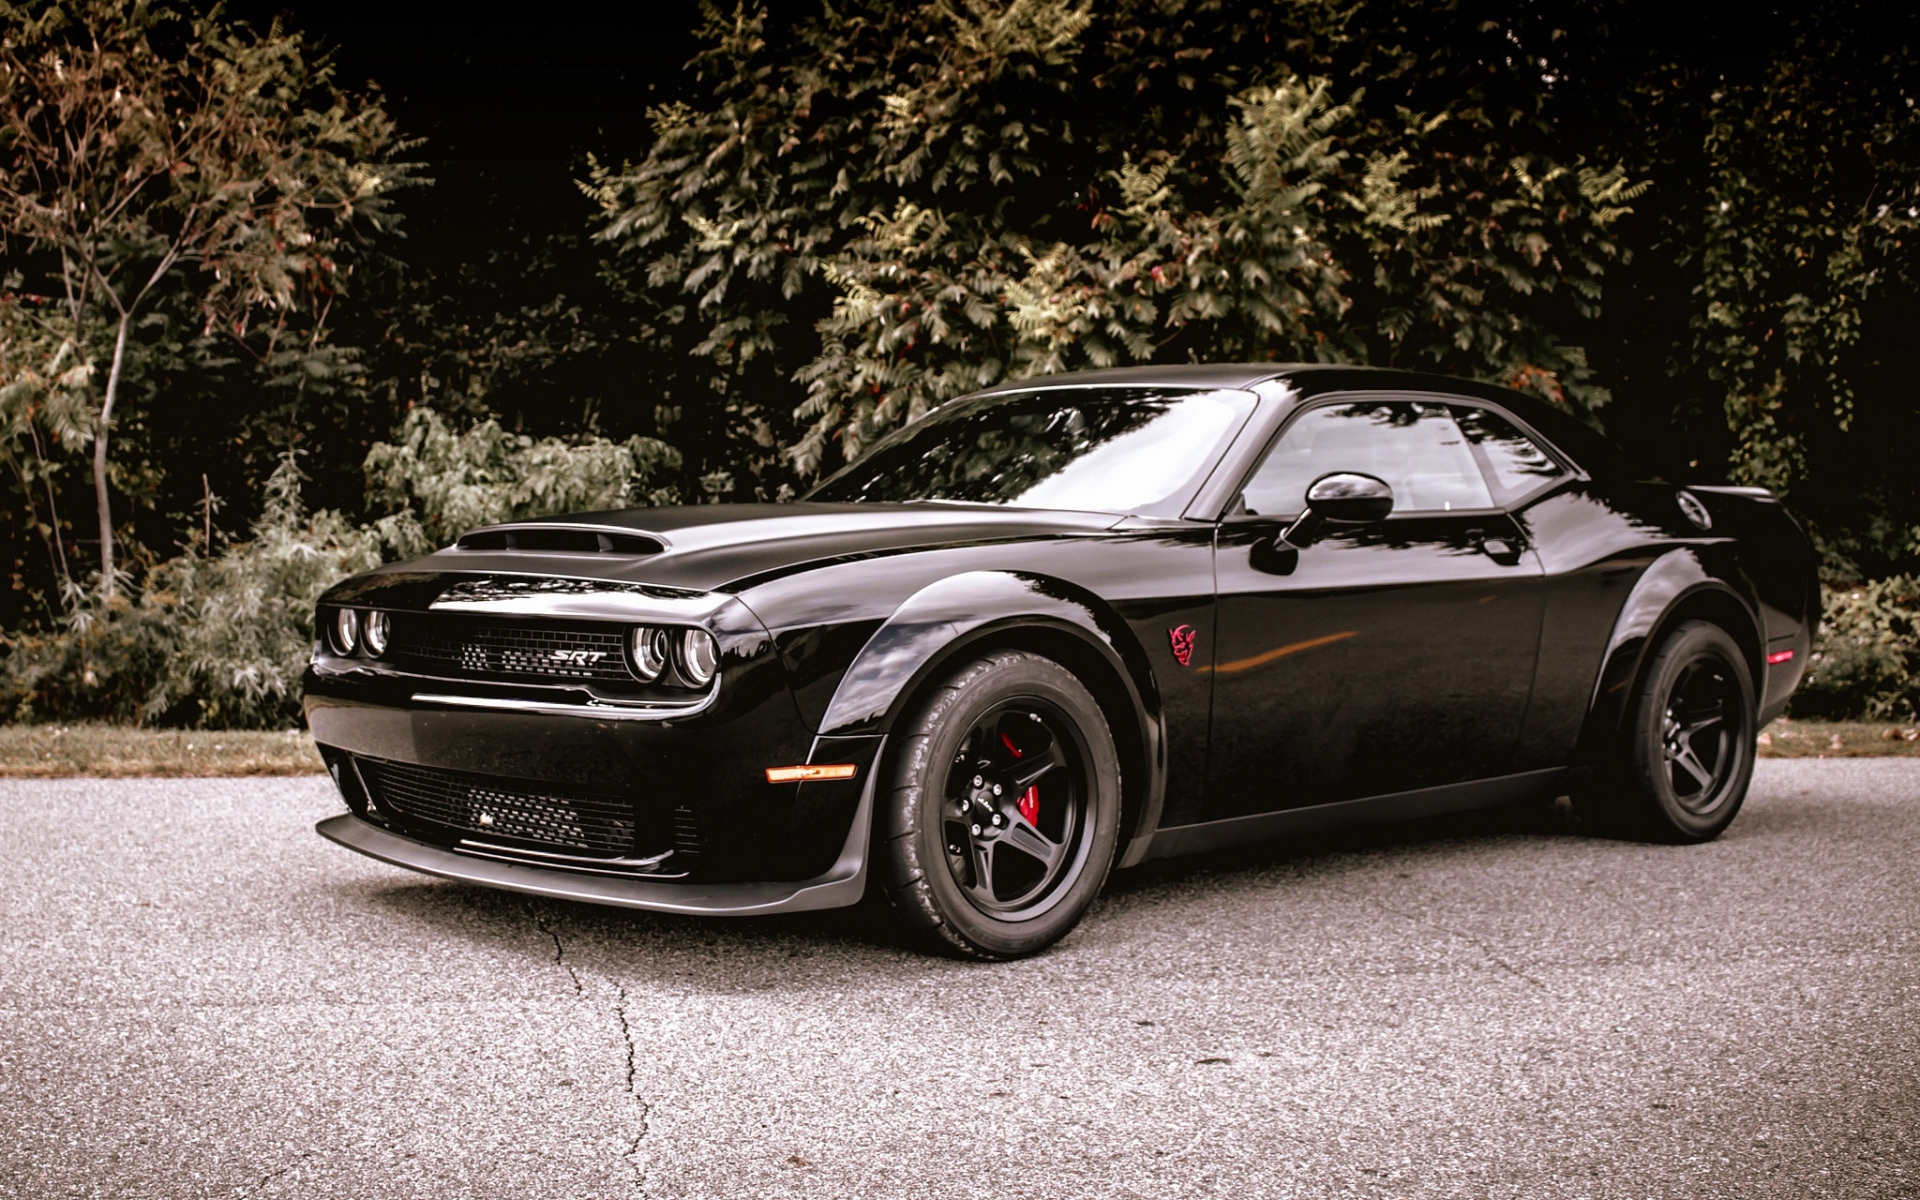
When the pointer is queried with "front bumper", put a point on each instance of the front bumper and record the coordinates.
(694, 785)
(484, 770)
(841, 885)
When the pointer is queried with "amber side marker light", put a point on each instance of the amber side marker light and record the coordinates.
(793, 774)
(1774, 660)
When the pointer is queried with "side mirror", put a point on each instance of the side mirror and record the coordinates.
(1342, 498)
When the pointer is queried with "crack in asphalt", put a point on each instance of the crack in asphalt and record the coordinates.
(626, 1037)
(270, 1176)
(1469, 939)
(559, 947)
(633, 1091)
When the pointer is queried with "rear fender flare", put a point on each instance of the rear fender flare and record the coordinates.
(947, 619)
(1678, 585)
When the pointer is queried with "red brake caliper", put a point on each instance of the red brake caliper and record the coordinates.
(1029, 799)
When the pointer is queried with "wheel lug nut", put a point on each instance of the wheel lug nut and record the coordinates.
(977, 781)
(996, 789)
(976, 831)
(996, 818)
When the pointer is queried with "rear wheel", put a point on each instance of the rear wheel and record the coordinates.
(1000, 823)
(1686, 755)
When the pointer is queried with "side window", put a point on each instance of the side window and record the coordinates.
(1416, 447)
(1514, 463)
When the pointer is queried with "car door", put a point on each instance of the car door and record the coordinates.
(1377, 659)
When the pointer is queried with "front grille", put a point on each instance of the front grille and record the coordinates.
(495, 811)
(463, 647)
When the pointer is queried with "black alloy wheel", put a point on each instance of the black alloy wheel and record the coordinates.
(1690, 739)
(1003, 815)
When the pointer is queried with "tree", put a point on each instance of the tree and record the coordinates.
(1763, 328)
(893, 205)
(136, 145)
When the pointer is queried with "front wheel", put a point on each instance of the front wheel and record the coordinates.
(1686, 756)
(1003, 813)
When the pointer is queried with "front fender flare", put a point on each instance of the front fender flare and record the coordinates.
(943, 620)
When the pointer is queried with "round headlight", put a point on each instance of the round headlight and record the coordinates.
(346, 630)
(379, 627)
(651, 647)
(699, 657)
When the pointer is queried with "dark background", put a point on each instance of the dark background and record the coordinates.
(497, 252)
(506, 106)
(508, 103)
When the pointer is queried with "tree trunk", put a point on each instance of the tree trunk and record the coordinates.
(101, 500)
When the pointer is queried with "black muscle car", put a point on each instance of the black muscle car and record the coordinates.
(1059, 627)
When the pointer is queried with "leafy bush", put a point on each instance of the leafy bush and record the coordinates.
(216, 641)
(221, 640)
(103, 664)
(438, 483)
(1866, 657)
(896, 204)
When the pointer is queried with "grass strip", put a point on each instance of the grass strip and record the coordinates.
(1787, 738)
(119, 751)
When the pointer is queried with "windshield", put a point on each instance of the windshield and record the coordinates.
(1117, 450)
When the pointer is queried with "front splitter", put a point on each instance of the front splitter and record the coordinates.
(841, 886)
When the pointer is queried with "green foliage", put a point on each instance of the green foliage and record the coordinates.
(243, 619)
(1762, 329)
(850, 212)
(1866, 659)
(437, 483)
(963, 193)
(1787, 264)
(215, 642)
(159, 169)
(222, 641)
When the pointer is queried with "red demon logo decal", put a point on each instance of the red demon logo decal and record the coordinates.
(1181, 637)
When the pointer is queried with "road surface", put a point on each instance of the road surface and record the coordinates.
(200, 997)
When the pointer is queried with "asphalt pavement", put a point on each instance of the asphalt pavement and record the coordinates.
(200, 997)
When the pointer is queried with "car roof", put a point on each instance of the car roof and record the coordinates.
(1211, 375)
(1312, 378)
(1585, 444)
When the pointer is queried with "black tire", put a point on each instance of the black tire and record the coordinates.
(962, 865)
(1685, 755)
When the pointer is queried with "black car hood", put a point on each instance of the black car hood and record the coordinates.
(722, 546)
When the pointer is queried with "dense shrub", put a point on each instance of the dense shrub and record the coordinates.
(438, 483)
(216, 640)
(221, 640)
(1866, 659)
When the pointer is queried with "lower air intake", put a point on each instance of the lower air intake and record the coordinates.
(493, 811)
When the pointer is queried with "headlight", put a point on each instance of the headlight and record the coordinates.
(346, 631)
(379, 627)
(699, 657)
(649, 649)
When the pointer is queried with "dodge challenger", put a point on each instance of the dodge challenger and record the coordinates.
(1058, 628)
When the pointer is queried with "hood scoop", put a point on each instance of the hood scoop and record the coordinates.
(561, 539)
